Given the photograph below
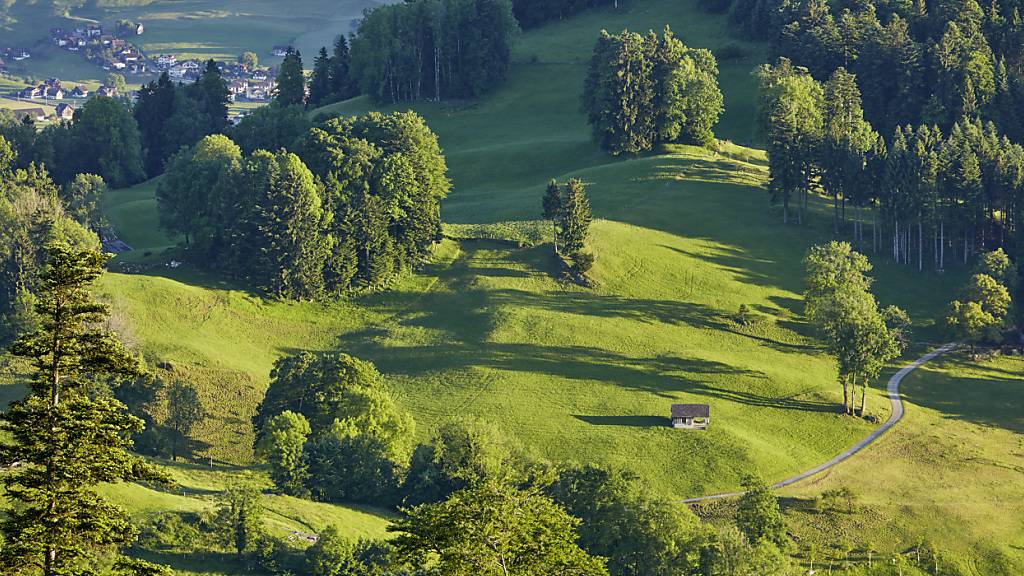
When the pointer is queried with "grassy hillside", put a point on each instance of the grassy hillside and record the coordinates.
(951, 473)
(684, 237)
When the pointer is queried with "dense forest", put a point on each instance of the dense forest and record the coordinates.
(433, 49)
(354, 203)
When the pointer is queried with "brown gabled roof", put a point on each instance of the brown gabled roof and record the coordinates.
(691, 411)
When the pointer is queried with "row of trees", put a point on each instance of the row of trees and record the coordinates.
(102, 139)
(356, 203)
(331, 80)
(916, 63)
(121, 142)
(924, 193)
(645, 90)
(433, 49)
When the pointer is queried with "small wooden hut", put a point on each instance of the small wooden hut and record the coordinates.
(691, 416)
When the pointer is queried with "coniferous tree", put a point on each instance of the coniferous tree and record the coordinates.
(342, 85)
(291, 81)
(320, 87)
(553, 209)
(63, 441)
(576, 217)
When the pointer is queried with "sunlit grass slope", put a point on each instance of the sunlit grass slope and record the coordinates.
(575, 374)
(951, 473)
(195, 491)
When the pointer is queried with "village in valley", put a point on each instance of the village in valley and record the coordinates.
(113, 51)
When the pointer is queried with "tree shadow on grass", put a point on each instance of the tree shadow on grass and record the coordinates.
(992, 402)
(631, 421)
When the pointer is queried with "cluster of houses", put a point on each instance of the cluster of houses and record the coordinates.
(254, 85)
(103, 49)
(53, 89)
(63, 112)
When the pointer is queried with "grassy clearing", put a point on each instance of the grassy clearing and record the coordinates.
(951, 473)
(196, 490)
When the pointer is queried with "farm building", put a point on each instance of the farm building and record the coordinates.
(691, 416)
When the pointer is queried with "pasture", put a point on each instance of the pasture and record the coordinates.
(489, 328)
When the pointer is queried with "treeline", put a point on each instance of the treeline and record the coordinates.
(328, 429)
(928, 197)
(645, 90)
(124, 143)
(172, 115)
(915, 62)
(533, 13)
(433, 49)
(102, 139)
(355, 202)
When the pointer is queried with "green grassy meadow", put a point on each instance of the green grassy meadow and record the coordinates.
(951, 473)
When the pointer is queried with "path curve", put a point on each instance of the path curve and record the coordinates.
(893, 390)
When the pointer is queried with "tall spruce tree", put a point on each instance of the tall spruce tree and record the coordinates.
(576, 217)
(342, 85)
(291, 81)
(63, 442)
(320, 88)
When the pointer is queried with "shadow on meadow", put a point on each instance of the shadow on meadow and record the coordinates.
(990, 396)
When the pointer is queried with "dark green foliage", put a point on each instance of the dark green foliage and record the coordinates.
(791, 121)
(277, 242)
(352, 466)
(360, 207)
(291, 81)
(433, 49)
(533, 13)
(642, 90)
(281, 445)
(33, 215)
(575, 217)
(63, 441)
(239, 519)
(384, 177)
(103, 139)
(320, 87)
(81, 198)
(343, 86)
(758, 515)
(270, 127)
(335, 389)
(461, 455)
(637, 533)
(358, 439)
(198, 192)
(171, 116)
(334, 555)
(493, 529)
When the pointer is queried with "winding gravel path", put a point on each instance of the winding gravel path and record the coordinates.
(893, 390)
